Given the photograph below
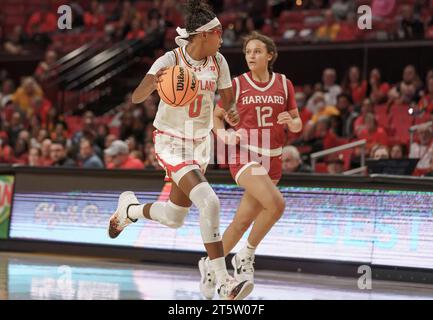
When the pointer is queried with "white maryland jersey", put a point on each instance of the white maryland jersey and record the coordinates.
(195, 120)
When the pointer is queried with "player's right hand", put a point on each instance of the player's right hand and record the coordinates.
(159, 74)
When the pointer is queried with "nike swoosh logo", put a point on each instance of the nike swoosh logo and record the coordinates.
(238, 270)
(245, 91)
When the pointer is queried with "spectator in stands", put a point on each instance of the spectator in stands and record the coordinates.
(346, 117)
(408, 89)
(151, 162)
(147, 149)
(58, 155)
(349, 30)
(398, 151)
(126, 129)
(46, 159)
(102, 131)
(41, 106)
(379, 152)
(422, 150)
(383, 8)
(46, 68)
(426, 102)
(304, 113)
(77, 15)
(373, 133)
(34, 125)
(15, 42)
(321, 108)
(37, 139)
(155, 24)
(133, 145)
(21, 148)
(41, 23)
(328, 31)
(320, 136)
(24, 95)
(120, 158)
(109, 140)
(377, 90)
(331, 89)
(15, 127)
(88, 130)
(60, 132)
(6, 94)
(354, 85)
(340, 8)
(359, 124)
(6, 152)
(292, 162)
(410, 26)
(136, 31)
(335, 164)
(95, 18)
(34, 158)
(88, 157)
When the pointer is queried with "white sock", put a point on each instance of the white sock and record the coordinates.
(248, 250)
(218, 265)
(136, 212)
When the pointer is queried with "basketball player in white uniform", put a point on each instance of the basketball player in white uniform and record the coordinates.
(182, 142)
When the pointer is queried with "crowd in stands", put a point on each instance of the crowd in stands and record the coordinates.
(33, 133)
(35, 21)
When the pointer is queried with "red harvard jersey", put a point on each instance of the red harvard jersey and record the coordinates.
(259, 105)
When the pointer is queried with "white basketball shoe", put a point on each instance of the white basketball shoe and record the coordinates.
(120, 219)
(244, 267)
(232, 289)
(208, 279)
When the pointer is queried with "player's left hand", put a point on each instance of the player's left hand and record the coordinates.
(294, 124)
(232, 117)
(284, 118)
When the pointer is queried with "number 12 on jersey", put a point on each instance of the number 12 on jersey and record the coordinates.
(262, 114)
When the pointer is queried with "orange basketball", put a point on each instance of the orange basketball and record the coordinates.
(178, 86)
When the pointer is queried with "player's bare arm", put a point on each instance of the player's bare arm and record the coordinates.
(147, 86)
(228, 136)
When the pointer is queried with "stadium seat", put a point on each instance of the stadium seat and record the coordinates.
(321, 167)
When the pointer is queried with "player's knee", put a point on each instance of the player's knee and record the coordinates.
(175, 215)
(277, 208)
(205, 199)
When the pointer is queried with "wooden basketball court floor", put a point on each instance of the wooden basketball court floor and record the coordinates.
(35, 276)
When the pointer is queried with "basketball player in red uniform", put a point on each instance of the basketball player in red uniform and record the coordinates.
(266, 105)
(182, 142)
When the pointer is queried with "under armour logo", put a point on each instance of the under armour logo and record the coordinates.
(212, 68)
(197, 69)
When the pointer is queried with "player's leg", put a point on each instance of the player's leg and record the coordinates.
(248, 210)
(261, 188)
(194, 184)
(170, 213)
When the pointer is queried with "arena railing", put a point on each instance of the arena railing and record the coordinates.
(361, 143)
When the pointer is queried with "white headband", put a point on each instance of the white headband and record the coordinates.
(183, 34)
